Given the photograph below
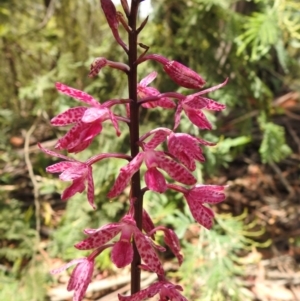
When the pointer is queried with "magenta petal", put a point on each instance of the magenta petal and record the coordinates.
(166, 103)
(99, 238)
(125, 175)
(178, 115)
(185, 148)
(79, 137)
(172, 242)
(70, 116)
(148, 79)
(90, 187)
(72, 135)
(203, 215)
(67, 265)
(93, 114)
(55, 154)
(147, 252)
(196, 102)
(170, 291)
(77, 186)
(214, 106)
(91, 131)
(175, 170)
(81, 278)
(76, 171)
(115, 123)
(211, 194)
(158, 137)
(59, 167)
(148, 224)
(77, 94)
(155, 181)
(144, 294)
(198, 118)
(122, 253)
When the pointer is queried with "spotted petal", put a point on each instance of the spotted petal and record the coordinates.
(175, 170)
(78, 185)
(172, 242)
(77, 94)
(122, 253)
(198, 118)
(69, 116)
(90, 187)
(203, 215)
(159, 136)
(155, 180)
(125, 175)
(144, 294)
(147, 252)
(100, 237)
(59, 167)
(211, 194)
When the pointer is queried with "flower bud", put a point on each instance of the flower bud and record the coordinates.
(183, 75)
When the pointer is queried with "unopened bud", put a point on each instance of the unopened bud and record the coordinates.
(183, 75)
(179, 73)
(97, 65)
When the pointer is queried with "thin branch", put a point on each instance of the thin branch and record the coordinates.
(32, 176)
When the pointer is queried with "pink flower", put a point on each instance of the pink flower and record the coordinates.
(180, 74)
(154, 179)
(78, 172)
(81, 276)
(171, 240)
(197, 196)
(165, 289)
(194, 104)
(143, 92)
(122, 252)
(183, 147)
(88, 121)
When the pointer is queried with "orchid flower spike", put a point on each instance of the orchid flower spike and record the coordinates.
(88, 121)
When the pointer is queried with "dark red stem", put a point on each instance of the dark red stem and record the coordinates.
(134, 138)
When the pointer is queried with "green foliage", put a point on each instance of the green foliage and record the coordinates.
(273, 147)
(261, 32)
(16, 234)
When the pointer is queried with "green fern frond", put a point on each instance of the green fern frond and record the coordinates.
(261, 32)
(273, 147)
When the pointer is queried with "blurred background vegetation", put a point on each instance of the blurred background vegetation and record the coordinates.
(254, 43)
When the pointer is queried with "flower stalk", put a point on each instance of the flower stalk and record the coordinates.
(134, 138)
